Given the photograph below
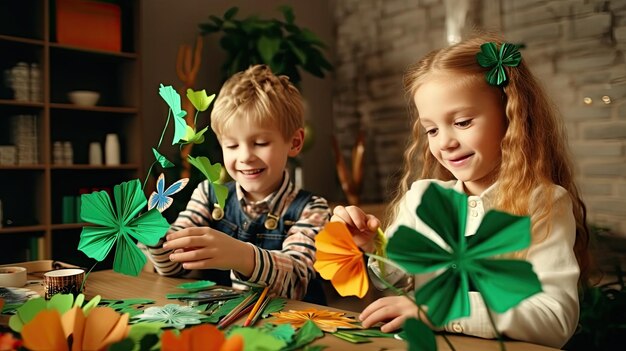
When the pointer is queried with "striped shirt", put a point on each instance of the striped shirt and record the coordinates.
(288, 271)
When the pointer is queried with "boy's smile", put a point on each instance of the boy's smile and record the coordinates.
(465, 123)
(255, 157)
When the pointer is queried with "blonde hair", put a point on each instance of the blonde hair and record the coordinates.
(258, 96)
(534, 148)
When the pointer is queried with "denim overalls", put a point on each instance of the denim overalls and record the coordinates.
(238, 225)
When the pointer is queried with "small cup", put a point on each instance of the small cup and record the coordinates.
(63, 281)
(12, 277)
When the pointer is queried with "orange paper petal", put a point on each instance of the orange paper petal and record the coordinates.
(234, 343)
(204, 337)
(73, 322)
(340, 260)
(326, 320)
(45, 332)
(102, 328)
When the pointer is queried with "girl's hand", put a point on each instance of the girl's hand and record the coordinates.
(391, 309)
(362, 226)
(204, 248)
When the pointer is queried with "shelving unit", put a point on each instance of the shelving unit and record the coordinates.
(31, 194)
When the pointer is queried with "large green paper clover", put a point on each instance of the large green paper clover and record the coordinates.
(119, 225)
(489, 57)
(503, 283)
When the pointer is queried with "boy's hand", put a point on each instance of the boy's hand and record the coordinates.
(362, 226)
(207, 248)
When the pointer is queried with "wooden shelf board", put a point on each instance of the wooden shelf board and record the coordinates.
(22, 167)
(129, 166)
(31, 104)
(108, 109)
(22, 40)
(124, 55)
(22, 229)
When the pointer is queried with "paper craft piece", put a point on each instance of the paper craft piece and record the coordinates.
(191, 136)
(419, 335)
(196, 286)
(15, 297)
(201, 338)
(256, 339)
(59, 302)
(118, 225)
(172, 99)
(162, 160)
(326, 320)
(171, 315)
(276, 304)
(305, 335)
(340, 260)
(212, 172)
(9, 342)
(199, 99)
(102, 327)
(489, 56)
(161, 198)
(503, 283)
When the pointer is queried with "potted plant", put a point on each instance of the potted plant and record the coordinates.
(282, 45)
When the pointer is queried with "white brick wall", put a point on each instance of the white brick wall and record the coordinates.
(576, 47)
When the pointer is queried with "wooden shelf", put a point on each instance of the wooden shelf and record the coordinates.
(35, 193)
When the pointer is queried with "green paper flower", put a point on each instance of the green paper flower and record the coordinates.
(489, 57)
(119, 225)
(192, 137)
(199, 99)
(171, 315)
(212, 172)
(503, 283)
(172, 99)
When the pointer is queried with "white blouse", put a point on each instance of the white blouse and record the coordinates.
(549, 317)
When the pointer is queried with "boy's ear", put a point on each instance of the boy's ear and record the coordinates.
(297, 141)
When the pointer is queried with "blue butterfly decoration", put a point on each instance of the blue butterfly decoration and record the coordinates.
(161, 198)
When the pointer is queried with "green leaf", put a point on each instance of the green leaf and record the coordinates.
(172, 99)
(268, 47)
(353, 338)
(276, 304)
(256, 339)
(287, 13)
(419, 336)
(309, 332)
(226, 308)
(164, 162)
(196, 285)
(199, 99)
(231, 12)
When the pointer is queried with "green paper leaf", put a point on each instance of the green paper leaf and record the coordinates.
(353, 338)
(305, 335)
(199, 99)
(119, 305)
(225, 308)
(255, 339)
(419, 336)
(119, 226)
(162, 160)
(212, 172)
(172, 99)
(490, 57)
(276, 304)
(283, 332)
(196, 285)
(502, 283)
(192, 137)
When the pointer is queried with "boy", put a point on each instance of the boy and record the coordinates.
(265, 234)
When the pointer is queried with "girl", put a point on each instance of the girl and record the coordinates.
(500, 142)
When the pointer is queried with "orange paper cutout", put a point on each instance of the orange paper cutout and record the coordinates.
(49, 330)
(326, 320)
(340, 260)
(201, 337)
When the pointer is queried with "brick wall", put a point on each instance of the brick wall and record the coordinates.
(576, 48)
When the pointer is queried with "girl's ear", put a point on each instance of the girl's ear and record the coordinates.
(297, 141)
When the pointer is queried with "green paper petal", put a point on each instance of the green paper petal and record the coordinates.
(129, 259)
(172, 99)
(221, 193)
(96, 242)
(488, 55)
(197, 285)
(510, 55)
(149, 228)
(61, 302)
(199, 99)
(162, 160)
(256, 339)
(97, 208)
(499, 233)
(437, 207)
(419, 336)
(203, 164)
(192, 137)
(415, 253)
(129, 200)
(504, 283)
(446, 297)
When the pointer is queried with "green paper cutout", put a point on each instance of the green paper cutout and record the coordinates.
(199, 99)
(59, 302)
(119, 226)
(172, 99)
(192, 137)
(126, 304)
(353, 338)
(212, 172)
(283, 332)
(138, 332)
(225, 308)
(276, 304)
(171, 315)
(162, 160)
(489, 56)
(419, 336)
(196, 286)
(305, 335)
(502, 283)
(257, 339)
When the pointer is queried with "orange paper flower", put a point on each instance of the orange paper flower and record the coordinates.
(340, 260)
(7, 341)
(96, 331)
(326, 320)
(200, 338)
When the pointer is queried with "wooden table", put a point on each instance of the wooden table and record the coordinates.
(112, 285)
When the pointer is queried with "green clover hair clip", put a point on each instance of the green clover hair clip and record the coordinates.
(469, 261)
(490, 57)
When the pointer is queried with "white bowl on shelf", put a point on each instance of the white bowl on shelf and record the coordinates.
(84, 97)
